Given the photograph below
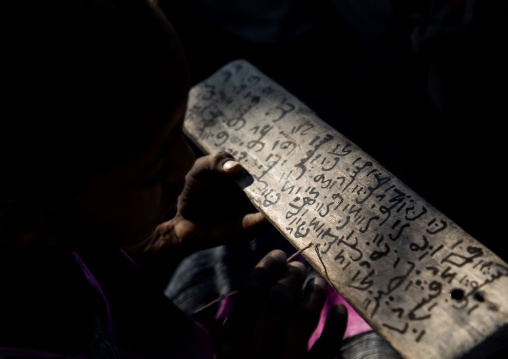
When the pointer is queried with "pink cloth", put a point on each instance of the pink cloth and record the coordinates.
(355, 323)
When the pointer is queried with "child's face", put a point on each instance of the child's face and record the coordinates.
(123, 205)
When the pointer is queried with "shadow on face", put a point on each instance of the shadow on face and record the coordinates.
(98, 92)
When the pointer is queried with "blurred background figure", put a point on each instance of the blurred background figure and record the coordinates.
(262, 21)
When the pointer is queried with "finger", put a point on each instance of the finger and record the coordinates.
(239, 325)
(328, 344)
(252, 224)
(217, 172)
(306, 319)
(252, 220)
(205, 183)
(282, 300)
(213, 166)
(231, 167)
(208, 170)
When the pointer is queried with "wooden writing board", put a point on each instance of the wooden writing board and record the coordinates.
(420, 281)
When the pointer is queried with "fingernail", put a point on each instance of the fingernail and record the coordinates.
(341, 309)
(279, 255)
(230, 164)
(319, 282)
(298, 265)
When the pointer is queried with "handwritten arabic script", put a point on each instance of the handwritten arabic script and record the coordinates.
(404, 266)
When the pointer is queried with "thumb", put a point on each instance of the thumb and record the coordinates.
(210, 169)
(231, 167)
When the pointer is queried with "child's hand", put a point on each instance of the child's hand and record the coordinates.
(272, 319)
(212, 209)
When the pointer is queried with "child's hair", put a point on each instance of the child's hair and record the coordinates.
(78, 74)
